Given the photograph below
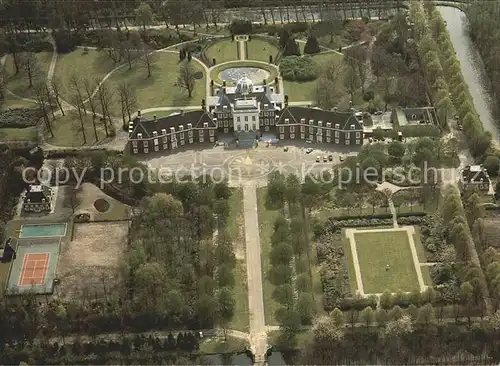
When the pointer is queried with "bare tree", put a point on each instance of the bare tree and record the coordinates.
(351, 81)
(89, 91)
(50, 100)
(131, 47)
(186, 78)
(56, 88)
(113, 43)
(78, 103)
(29, 64)
(105, 97)
(327, 90)
(72, 198)
(147, 57)
(355, 58)
(75, 81)
(128, 100)
(43, 104)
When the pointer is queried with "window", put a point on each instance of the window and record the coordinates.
(253, 118)
(320, 131)
(303, 136)
(328, 139)
(190, 140)
(190, 133)
(328, 133)
(337, 141)
(292, 129)
(302, 128)
(347, 135)
(134, 143)
(212, 139)
(211, 133)
(182, 142)
(165, 139)
(246, 118)
(337, 134)
(156, 148)
(358, 135)
(181, 136)
(146, 143)
(353, 127)
(146, 150)
(311, 129)
(202, 139)
(271, 121)
(328, 124)
(347, 142)
(226, 123)
(266, 114)
(201, 132)
(282, 129)
(238, 119)
(282, 137)
(135, 151)
(155, 142)
(337, 125)
(266, 121)
(358, 142)
(292, 135)
(165, 146)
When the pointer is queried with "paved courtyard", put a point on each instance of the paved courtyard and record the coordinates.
(240, 166)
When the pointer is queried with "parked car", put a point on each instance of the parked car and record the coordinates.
(318, 159)
(341, 157)
(325, 159)
(330, 157)
(309, 150)
(285, 148)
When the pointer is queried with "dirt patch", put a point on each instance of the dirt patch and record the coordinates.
(89, 264)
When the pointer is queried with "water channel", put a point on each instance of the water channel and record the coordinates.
(471, 65)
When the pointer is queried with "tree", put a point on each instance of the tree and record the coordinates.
(72, 197)
(306, 307)
(327, 339)
(225, 308)
(473, 209)
(144, 15)
(147, 58)
(351, 81)
(386, 300)
(105, 97)
(328, 92)
(426, 315)
(75, 82)
(312, 45)
(337, 317)
(128, 101)
(355, 59)
(89, 90)
(396, 150)
(276, 189)
(56, 87)
(399, 328)
(186, 79)
(77, 102)
(281, 253)
(368, 317)
(43, 104)
(291, 48)
(284, 295)
(29, 63)
(492, 165)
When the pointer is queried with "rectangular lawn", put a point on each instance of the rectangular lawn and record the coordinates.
(376, 250)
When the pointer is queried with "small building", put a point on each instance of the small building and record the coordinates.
(414, 116)
(38, 198)
(475, 176)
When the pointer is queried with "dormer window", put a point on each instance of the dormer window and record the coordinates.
(287, 120)
(266, 106)
(190, 126)
(337, 125)
(353, 127)
(224, 107)
(302, 120)
(155, 134)
(139, 135)
(172, 129)
(163, 131)
(205, 125)
(328, 124)
(181, 128)
(320, 123)
(311, 121)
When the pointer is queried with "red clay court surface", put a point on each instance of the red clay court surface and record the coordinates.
(34, 269)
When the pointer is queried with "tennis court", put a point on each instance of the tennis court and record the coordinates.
(34, 268)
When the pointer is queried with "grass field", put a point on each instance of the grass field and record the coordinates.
(266, 228)
(304, 91)
(376, 250)
(12, 102)
(19, 84)
(259, 49)
(159, 90)
(93, 66)
(68, 130)
(225, 50)
(18, 134)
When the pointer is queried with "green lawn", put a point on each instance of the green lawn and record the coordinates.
(12, 102)
(159, 90)
(68, 131)
(241, 317)
(213, 345)
(304, 91)
(376, 250)
(19, 84)
(259, 49)
(92, 66)
(266, 228)
(222, 51)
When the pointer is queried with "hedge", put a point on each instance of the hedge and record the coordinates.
(19, 117)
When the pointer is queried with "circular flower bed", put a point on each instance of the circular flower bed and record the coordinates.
(101, 205)
(271, 71)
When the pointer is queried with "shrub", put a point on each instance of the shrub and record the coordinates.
(67, 41)
(368, 95)
(294, 68)
(240, 26)
(297, 27)
(19, 117)
(312, 45)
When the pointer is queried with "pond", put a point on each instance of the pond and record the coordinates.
(233, 74)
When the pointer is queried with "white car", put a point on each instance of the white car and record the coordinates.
(318, 159)
(309, 150)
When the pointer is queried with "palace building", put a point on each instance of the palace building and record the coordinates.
(245, 112)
